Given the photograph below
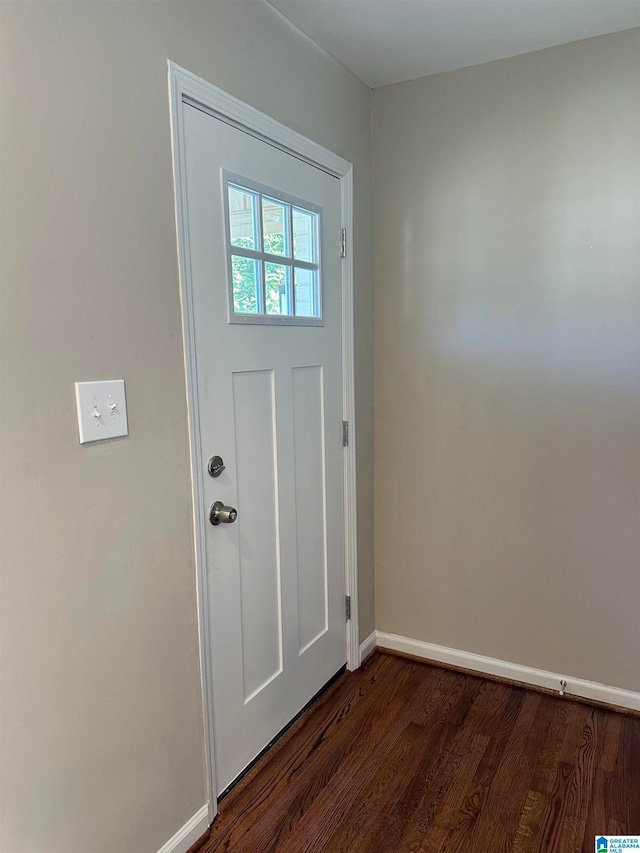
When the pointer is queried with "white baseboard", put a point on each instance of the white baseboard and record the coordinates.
(368, 645)
(513, 671)
(187, 835)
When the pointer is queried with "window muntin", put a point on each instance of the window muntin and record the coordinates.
(273, 243)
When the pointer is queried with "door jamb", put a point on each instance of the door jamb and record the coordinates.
(187, 87)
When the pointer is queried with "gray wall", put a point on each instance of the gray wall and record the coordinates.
(507, 354)
(101, 709)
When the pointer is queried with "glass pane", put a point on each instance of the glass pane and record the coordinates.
(277, 281)
(275, 227)
(305, 229)
(246, 285)
(242, 218)
(306, 290)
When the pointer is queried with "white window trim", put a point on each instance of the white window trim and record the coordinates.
(185, 87)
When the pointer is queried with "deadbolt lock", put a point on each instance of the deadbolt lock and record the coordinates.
(215, 466)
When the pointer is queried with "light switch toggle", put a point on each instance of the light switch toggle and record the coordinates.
(102, 410)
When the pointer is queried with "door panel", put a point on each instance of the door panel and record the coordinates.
(261, 618)
(308, 443)
(270, 405)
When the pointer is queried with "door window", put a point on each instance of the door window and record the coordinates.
(274, 259)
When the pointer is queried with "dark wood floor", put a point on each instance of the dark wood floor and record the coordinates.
(403, 756)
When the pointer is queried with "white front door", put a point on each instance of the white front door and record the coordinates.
(263, 248)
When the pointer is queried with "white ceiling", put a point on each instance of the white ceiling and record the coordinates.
(388, 41)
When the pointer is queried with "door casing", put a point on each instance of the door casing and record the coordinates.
(187, 87)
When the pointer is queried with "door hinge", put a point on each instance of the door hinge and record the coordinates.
(345, 433)
(348, 606)
(343, 243)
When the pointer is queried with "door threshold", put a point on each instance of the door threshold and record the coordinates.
(282, 731)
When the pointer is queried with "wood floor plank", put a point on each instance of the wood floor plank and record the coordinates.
(367, 816)
(584, 765)
(571, 836)
(550, 833)
(552, 746)
(459, 836)
(497, 826)
(627, 776)
(585, 799)
(596, 822)
(334, 803)
(432, 745)
(442, 798)
(567, 788)
(405, 757)
(432, 796)
(293, 774)
(529, 831)
(376, 731)
(438, 795)
(613, 733)
(527, 837)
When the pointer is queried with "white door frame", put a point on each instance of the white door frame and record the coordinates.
(185, 86)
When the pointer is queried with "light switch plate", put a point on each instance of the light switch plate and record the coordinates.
(102, 410)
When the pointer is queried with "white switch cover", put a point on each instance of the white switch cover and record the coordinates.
(102, 410)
